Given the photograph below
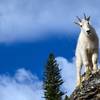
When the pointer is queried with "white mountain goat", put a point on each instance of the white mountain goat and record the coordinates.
(87, 48)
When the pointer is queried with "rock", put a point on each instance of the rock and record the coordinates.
(89, 89)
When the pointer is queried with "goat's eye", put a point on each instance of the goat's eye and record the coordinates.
(80, 25)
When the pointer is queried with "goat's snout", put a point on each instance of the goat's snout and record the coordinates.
(88, 31)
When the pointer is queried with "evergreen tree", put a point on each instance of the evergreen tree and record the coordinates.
(66, 98)
(52, 80)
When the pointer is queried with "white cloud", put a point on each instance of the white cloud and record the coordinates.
(68, 73)
(23, 86)
(24, 19)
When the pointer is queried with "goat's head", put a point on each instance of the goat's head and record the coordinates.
(84, 25)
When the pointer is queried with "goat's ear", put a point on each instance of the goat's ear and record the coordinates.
(77, 23)
(88, 18)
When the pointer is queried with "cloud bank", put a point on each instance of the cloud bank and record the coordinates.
(68, 72)
(33, 19)
(22, 86)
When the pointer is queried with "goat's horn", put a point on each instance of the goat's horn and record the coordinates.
(85, 16)
(78, 18)
(88, 18)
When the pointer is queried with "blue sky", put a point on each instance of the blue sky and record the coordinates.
(33, 55)
(29, 31)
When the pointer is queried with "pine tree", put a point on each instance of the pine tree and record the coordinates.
(52, 80)
(66, 98)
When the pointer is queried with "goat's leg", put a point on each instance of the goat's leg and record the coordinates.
(79, 66)
(94, 61)
(85, 58)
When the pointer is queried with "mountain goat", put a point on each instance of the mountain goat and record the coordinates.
(87, 48)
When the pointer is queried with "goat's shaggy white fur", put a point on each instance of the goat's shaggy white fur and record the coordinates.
(87, 48)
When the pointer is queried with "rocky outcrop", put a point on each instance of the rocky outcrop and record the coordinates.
(89, 89)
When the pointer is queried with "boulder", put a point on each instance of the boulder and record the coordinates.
(89, 88)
